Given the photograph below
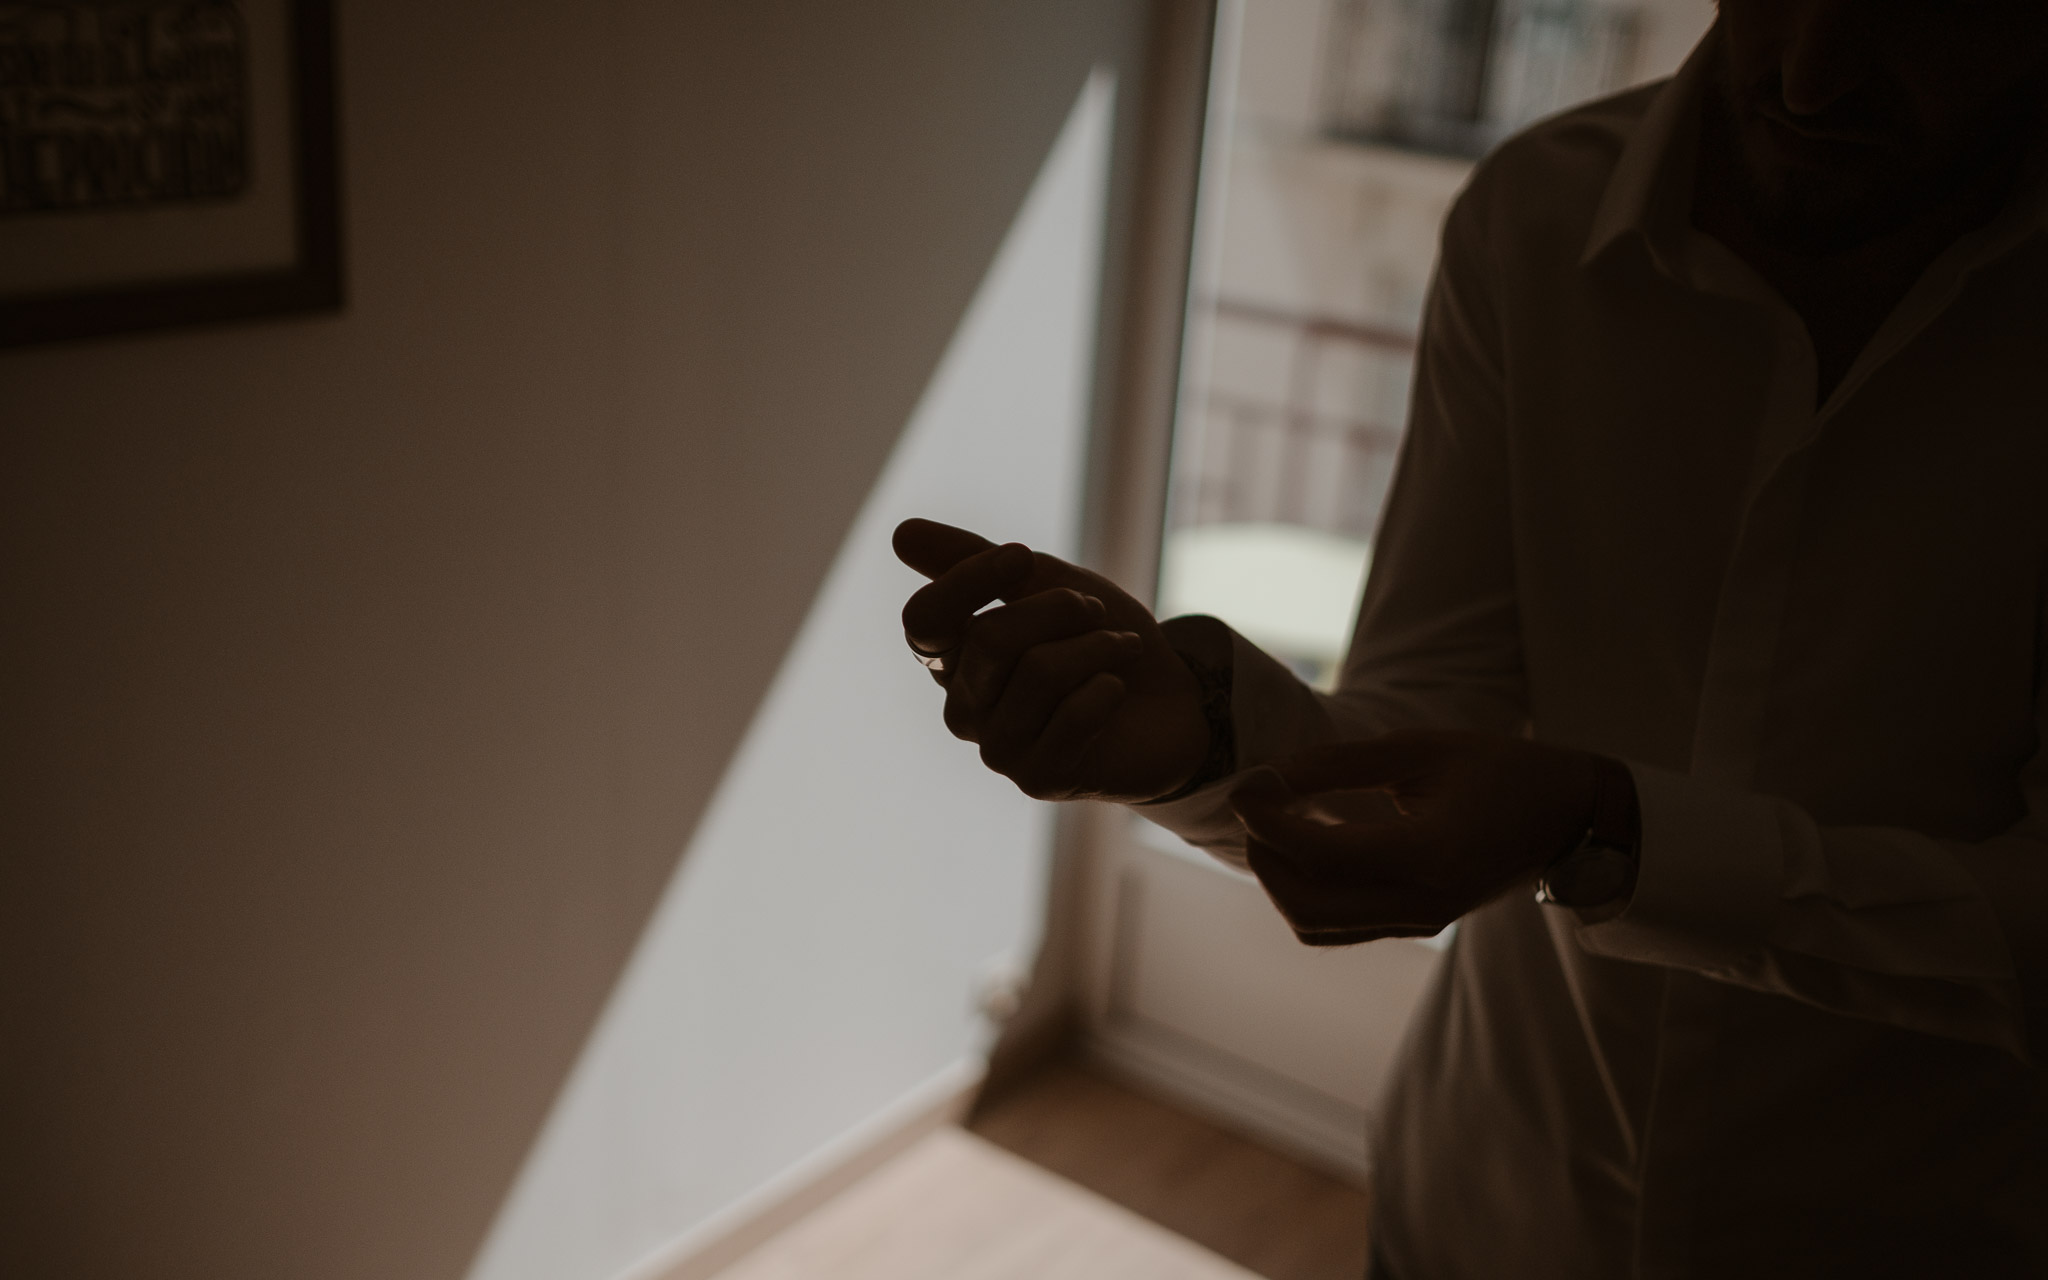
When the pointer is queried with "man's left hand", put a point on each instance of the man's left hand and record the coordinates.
(1398, 836)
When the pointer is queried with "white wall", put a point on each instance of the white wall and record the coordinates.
(365, 677)
(814, 960)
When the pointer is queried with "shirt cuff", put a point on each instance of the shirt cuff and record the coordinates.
(1708, 880)
(1274, 715)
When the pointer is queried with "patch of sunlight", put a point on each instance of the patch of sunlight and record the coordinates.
(1290, 590)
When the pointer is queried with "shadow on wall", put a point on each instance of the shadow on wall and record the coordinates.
(813, 962)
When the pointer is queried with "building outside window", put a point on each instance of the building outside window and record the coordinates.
(1340, 133)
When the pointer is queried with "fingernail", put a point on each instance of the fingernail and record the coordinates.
(1015, 557)
(1094, 605)
(1129, 637)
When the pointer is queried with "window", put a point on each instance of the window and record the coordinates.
(1340, 132)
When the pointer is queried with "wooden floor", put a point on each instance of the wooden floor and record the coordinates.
(1262, 1210)
(955, 1207)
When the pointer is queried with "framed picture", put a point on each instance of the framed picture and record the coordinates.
(164, 162)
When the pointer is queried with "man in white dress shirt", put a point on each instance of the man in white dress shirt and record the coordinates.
(1703, 671)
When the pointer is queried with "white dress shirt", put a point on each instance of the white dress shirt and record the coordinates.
(1817, 634)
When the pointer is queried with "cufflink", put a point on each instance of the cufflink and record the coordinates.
(1601, 868)
(1592, 873)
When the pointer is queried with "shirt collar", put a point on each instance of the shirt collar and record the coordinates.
(2026, 209)
(1649, 193)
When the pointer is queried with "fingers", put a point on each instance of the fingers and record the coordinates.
(1306, 839)
(1049, 766)
(1391, 760)
(1045, 676)
(932, 548)
(1352, 806)
(1375, 841)
(992, 642)
(937, 614)
(1323, 914)
(1270, 812)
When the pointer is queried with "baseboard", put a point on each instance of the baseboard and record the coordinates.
(1311, 1126)
(713, 1245)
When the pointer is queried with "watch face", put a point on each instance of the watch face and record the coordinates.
(1591, 875)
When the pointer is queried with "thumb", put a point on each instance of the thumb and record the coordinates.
(932, 548)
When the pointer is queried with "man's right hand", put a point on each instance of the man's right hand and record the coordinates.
(1069, 687)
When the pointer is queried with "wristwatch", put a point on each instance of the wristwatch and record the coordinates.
(1600, 870)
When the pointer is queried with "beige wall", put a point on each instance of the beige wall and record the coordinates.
(364, 674)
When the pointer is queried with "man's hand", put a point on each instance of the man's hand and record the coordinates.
(1397, 836)
(1070, 687)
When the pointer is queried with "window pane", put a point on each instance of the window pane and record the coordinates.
(1341, 130)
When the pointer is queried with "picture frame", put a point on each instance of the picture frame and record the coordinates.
(165, 163)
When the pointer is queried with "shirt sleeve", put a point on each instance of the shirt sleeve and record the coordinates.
(1942, 936)
(1947, 937)
(1438, 641)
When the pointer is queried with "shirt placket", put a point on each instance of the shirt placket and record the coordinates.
(1743, 654)
(1728, 727)
(1755, 587)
